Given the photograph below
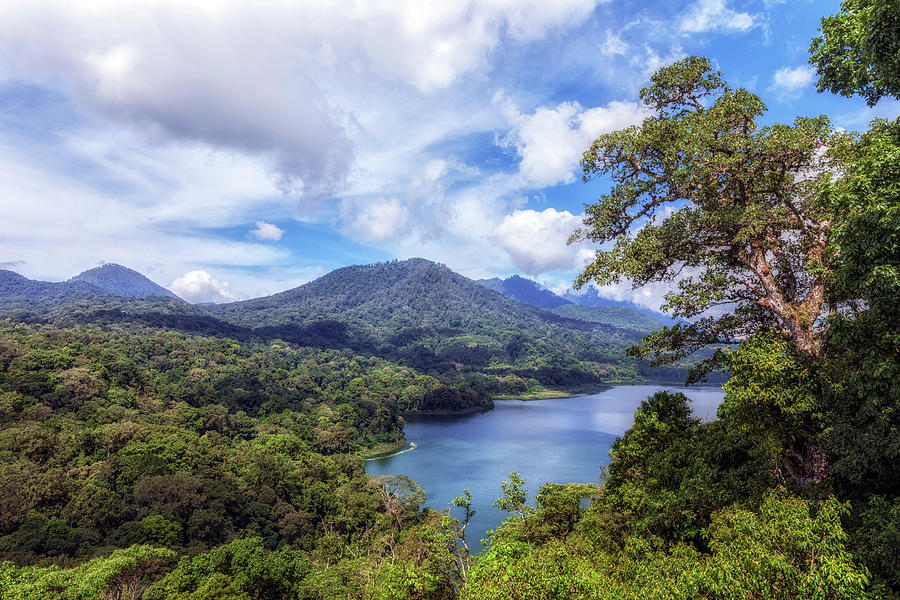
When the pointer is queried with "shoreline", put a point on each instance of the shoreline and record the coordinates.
(594, 388)
(440, 413)
(394, 450)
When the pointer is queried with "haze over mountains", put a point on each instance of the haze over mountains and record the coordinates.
(121, 281)
(586, 305)
(109, 278)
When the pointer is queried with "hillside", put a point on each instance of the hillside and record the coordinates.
(617, 316)
(425, 314)
(413, 312)
(20, 295)
(115, 279)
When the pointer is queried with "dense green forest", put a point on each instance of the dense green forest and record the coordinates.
(139, 462)
(414, 312)
(425, 315)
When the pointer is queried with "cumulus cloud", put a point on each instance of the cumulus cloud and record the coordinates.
(267, 231)
(651, 295)
(200, 286)
(538, 241)
(551, 141)
(272, 79)
(379, 220)
(792, 80)
(714, 15)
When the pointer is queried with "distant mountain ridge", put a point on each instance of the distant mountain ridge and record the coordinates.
(588, 306)
(524, 290)
(426, 315)
(115, 279)
(18, 288)
(22, 296)
(590, 297)
(414, 312)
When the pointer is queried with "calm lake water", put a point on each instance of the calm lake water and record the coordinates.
(562, 440)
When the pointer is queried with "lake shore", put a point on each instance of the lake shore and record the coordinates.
(557, 441)
(386, 450)
(593, 388)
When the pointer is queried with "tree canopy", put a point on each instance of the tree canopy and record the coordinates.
(729, 211)
(858, 52)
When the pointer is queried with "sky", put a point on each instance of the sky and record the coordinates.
(231, 149)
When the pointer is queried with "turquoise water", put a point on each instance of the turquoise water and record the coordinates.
(562, 440)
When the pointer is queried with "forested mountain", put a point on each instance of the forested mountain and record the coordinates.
(19, 292)
(617, 316)
(524, 290)
(423, 313)
(588, 306)
(111, 278)
(413, 312)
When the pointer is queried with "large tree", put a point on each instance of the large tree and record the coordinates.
(730, 213)
(859, 50)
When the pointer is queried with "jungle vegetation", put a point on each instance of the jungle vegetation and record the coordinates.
(158, 464)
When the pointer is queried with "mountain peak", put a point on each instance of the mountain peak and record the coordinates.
(524, 290)
(113, 278)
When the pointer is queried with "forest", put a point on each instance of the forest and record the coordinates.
(144, 462)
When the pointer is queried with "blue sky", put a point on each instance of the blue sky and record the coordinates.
(229, 151)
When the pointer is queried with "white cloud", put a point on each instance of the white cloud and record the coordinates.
(714, 15)
(651, 295)
(267, 231)
(551, 140)
(538, 241)
(378, 220)
(153, 221)
(288, 83)
(195, 117)
(651, 61)
(613, 45)
(200, 286)
(792, 80)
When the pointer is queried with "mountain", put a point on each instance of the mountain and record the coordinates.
(18, 293)
(589, 306)
(121, 281)
(617, 316)
(590, 297)
(414, 312)
(88, 299)
(424, 314)
(524, 290)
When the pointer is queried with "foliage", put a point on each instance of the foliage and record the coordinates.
(730, 211)
(123, 575)
(861, 388)
(242, 569)
(113, 439)
(625, 318)
(514, 496)
(787, 548)
(415, 313)
(859, 50)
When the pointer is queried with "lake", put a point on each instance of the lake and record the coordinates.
(560, 440)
